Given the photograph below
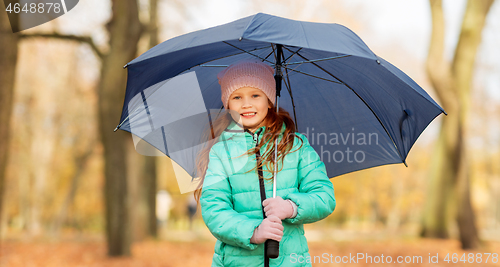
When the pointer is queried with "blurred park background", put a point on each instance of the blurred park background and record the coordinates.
(75, 193)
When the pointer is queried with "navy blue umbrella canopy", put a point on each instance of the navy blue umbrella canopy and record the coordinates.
(357, 110)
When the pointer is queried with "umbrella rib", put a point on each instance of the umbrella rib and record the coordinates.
(366, 104)
(311, 61)
(316, 60)
(243, 50)
(218, 113)
(288, 87)
(339, 82)
(205, 65)
(274, 53)
(293, 54)
(314, 76)
(145, 103)
(308, 74)
(269, 54)
(135, 111)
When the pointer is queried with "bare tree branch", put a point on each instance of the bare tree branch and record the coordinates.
(81, 39)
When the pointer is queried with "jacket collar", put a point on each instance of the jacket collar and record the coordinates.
(235, 130)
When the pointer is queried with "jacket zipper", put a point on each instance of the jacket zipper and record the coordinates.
(255, 136)
(262, 188)
(259, 169)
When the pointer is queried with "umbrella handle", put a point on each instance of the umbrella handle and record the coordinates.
(273, 248)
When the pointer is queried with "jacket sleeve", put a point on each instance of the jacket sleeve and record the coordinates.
(226, 224)
(315, 199)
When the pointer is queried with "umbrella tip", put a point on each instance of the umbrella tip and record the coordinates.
(404, 161)
(126, 65)
(444, 112)
(115, 129)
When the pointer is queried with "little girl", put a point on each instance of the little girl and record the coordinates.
(238, 170)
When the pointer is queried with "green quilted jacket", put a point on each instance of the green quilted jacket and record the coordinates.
(231, 202)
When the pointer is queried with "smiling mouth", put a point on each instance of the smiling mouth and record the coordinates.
(249, 114)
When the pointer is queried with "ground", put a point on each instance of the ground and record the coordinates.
(14, 253)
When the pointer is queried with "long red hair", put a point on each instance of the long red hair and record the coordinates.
(273, 122)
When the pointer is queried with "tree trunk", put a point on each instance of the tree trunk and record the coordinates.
(8, 62)
(150, 162)
(449, 195)
(124, 32)
(438, 213)
(463, 70)
(143, 185)
(149, 189)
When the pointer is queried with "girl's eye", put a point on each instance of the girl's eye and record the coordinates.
(256, 95)
(236, 97)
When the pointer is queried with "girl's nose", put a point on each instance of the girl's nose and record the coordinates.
(246, 104)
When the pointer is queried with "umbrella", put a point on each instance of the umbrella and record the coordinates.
(357, 110)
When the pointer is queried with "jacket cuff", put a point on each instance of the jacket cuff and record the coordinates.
(297, 199)
(294, 207)
(246, 231)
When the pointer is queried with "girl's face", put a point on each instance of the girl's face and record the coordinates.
(251, 104)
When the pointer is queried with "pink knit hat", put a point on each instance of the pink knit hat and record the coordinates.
(247, 73)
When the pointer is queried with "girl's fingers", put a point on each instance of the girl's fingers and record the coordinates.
(274, 234)
(271, 201)
(274, 218)
(270, 212)
(267, 205)
(276, 237)
(266, 209)
(278, 227)
(278, 231)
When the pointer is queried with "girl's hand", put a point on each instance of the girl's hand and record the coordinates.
(270, 228)
(279, 207)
